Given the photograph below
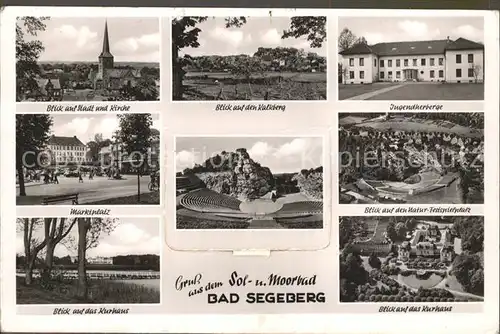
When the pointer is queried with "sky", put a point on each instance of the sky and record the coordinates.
(86, 126)
(216, 39)
(130, 236)
(80, 39)
(280, 154)
(399, 29)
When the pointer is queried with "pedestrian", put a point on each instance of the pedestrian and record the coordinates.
(80, 179)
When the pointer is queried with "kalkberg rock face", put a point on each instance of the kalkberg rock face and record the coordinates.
(238, 175)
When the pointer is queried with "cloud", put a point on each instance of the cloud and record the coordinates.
(295, 147)
(77, 127)
(469, 32)
(82, 36)
(271, 37)
(417, 30)
(132, 44)
(107, 126)
(129, 234)
(374, 38)
(185, 159)
(232, 37)
(260, 149)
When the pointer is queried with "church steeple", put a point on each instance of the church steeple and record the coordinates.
(105, 43)
(106, 59)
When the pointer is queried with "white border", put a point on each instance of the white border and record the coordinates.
(337, 321)
(250, 239)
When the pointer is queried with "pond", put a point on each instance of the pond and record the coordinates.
(414, 282)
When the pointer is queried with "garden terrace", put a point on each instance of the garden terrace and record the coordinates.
(205, 200)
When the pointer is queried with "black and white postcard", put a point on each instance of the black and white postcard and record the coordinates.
(411, 58)
(249, 58)
(87, 59)
(413, 158)
(249, 182)
(87, 260)
(406, 259)
(92, 159)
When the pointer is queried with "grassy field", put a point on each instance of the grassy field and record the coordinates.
(448, 91)
(100, 292)
(348, 91)
(294, 86)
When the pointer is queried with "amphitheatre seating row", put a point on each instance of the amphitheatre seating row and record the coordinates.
(205, 200)
(300, 208)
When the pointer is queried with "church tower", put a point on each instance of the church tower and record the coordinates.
(105, 58)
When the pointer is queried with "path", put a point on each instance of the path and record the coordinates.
(264, 223)
(368, 95)
(98, 189)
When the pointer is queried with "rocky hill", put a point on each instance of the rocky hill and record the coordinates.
(310, 183)
(235, 174)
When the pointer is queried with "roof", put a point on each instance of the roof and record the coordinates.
(105, 43)
(65, 141)
(42, 83)
(465, 44)
(413, 47)
(123, 73)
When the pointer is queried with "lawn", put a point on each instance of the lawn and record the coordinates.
(100, 292)
(348, 91)
(422, 91)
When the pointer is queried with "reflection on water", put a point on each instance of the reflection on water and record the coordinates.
(416, 283)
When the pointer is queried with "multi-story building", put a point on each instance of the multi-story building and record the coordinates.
(445, 60)
(64, 150)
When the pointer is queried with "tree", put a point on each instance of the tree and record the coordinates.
(32, 245)
(89, 233)
(374, 261)
(314, 27)
(476, 71)
(346, 39)
(27, 54)
(135, 137)
(32, 135)
(56, 229)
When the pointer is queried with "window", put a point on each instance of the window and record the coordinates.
(398, 74)
(351, 74)
(375, 62)
(441, 61)
(458, 73)
(398, 62)
(458, 59)
(361, 74)
(414, 62)
(361, 61)
(389, 74)
(381, 63)
(382, 75)
(432, 73)
(422, 62)
(432, 61)
(389, 63)
(470, 72)
(470, 58)
(351, 61)
(406, 62)
(441, 73)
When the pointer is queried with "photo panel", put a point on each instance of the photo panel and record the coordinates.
(411, 158)
(235, 192)
(412, 259)
(87, 64)
(99, 263)
(431, 61)
(249, 58)
(87, 159)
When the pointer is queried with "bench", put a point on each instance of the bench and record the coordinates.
(61, 198)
